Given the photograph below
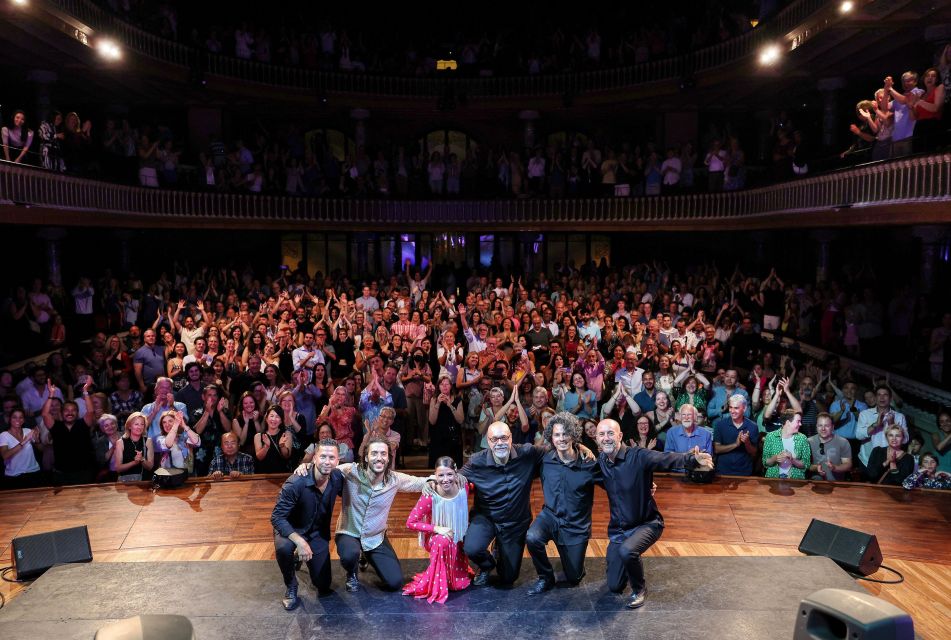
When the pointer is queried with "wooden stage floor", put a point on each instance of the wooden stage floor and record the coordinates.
(230, 520)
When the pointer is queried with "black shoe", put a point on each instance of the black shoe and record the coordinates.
(481, 579)
(364, 563)
(575, 583)
(541, 586)
(637, 600)
(290, 599)
(323, 593)
(353, 583)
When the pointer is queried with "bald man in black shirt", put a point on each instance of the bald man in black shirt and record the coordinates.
(636, 523)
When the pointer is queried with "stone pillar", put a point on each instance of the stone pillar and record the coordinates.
(123, 240)
(529, 118)
(830, 88)
(54, 253)
(360, 116)
(823, 238)
(759, 239)
(42, 80)
(931, 237)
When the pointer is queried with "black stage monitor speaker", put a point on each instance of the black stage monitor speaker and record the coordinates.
(836, 613)
(32, 555)
(151, 627)
(852, 550)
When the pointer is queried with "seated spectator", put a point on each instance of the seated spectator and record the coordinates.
(273, 446)
(941, 439)
(326, 433)
(134, 452)
(873, 424)
(735, 438)
(890, 464)
(646, 437)
(17, 447)
(687, 436)
(383, 427)
(831, 453)
(928, 476)
(175, 441)
(786, 452)
(229, 462)
(104, 447)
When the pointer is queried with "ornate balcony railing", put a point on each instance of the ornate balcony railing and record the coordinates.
(919, 179)
(676, 67)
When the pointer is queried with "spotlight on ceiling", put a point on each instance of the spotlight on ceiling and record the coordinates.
(846, 6)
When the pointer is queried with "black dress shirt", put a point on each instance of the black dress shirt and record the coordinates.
(302, 509)
(569, 495)
(628, 480)
(503, 492)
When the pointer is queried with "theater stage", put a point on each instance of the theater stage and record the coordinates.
(749, 519)
(689, 598)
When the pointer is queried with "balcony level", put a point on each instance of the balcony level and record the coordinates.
(913, 190)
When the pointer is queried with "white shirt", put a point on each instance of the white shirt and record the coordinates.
(24, 460)
(671, 177)
(869, 419)
(299, 354)
(83, 300)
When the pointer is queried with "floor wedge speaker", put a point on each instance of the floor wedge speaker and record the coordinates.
(852, 550)
(831, 614)
(32, 555)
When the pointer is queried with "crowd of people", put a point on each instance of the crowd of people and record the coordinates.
(291, 162)
(906, 117)
(221, 372)
(543, 44)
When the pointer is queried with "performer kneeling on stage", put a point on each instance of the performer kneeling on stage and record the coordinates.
(301, 520)
(441, 519)
(635, 523)
(568, 480)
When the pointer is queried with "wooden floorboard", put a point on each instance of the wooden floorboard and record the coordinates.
(230, 520)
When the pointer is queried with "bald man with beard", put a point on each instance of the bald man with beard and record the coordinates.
(636, 523)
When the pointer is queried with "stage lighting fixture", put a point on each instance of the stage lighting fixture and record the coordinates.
(108, 49)
(20, 3)
(769, 54)
(846, 6)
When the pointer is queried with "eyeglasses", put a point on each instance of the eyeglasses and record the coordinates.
(822, 448)
(499, 439)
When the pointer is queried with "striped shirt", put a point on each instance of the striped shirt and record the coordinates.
(366, 508)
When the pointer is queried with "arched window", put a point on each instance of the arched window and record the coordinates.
(447, 141)
(339, 144)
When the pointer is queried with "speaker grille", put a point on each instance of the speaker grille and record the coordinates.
(33, 555)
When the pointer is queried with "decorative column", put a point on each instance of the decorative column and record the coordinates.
(42, 80)
(830, 88)
(123, 238)
(931, 237)
(360, 116)
(54, 253)
(823, 238)
(528, 118)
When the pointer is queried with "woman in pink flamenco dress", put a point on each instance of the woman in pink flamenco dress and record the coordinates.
(442, 520)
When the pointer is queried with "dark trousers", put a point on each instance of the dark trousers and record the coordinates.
(540, 533)
(383, 560)
(509, 545)
(318, 566)
(624, 558)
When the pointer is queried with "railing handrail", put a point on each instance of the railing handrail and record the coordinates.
(915, 179)
(705, 59)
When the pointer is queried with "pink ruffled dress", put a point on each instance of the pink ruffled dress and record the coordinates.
(448, 566)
